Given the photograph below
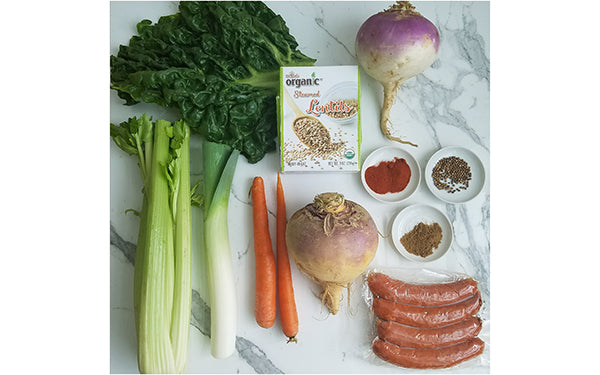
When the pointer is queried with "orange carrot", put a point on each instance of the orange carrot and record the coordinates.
(265, 303)
(287, 303)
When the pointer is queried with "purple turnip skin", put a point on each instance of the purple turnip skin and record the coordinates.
(332, 241)
(393, 46)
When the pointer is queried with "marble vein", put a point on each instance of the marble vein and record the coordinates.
(255, 357)
(126, 247)
(478, 256)
(200, 319)
(468, 41)
(476, 252)
(471, 45)
(436, 98)
(319, 21)
(435, 103)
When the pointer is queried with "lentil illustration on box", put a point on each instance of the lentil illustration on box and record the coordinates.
(319, 118)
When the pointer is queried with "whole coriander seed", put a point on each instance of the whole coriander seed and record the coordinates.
(451, 174)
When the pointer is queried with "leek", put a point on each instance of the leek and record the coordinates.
(219, 162)
(162, 270)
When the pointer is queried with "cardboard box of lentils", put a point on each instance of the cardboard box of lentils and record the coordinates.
(319, 118)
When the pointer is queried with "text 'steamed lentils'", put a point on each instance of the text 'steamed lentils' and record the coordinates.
(351, 103)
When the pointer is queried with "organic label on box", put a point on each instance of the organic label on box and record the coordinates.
(319, 118)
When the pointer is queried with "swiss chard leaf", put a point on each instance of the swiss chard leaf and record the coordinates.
(218, 63)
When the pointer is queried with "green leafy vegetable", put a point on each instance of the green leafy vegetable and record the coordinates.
(218, 63)
(162, 271)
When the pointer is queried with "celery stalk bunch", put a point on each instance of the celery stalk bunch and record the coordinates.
(163, 264)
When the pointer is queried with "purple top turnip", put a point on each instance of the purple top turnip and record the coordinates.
(393, 46)
(332, 241)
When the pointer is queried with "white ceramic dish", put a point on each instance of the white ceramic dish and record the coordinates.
(477, 175)
(341, 91)
(388, 154)
(409, 217)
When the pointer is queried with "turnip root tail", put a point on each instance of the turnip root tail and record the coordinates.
(332, 294)
(389, 94)
(332, 291)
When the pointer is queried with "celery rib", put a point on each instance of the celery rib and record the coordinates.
(182, 302)
(156, 291)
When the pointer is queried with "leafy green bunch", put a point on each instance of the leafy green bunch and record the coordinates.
(218, 63)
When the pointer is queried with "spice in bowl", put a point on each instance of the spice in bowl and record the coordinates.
(451, 174)
(388, 176)
(422, 239)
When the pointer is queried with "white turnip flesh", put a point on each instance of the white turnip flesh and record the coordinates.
(393, 46)
(332, 241)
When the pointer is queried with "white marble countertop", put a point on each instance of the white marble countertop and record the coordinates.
(447, 105)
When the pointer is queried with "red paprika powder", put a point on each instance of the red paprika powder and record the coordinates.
(388, 176)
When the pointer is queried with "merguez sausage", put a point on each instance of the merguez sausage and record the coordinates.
(428, 338)
(421, 294)
(426, 316)
(443, 357)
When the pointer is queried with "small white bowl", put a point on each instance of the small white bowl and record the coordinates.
(409, 217)
(342, 91)
(477, 175)
(388, 153)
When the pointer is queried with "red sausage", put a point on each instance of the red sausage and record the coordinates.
(446, 356)
(428, 338)
(426, 316)
(421, 294)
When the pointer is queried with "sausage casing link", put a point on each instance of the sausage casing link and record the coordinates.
(428, 338)
(443, 357)
(430, 316)
(391, 289)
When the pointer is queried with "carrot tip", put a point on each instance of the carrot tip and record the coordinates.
(292, 339)
(265, 323)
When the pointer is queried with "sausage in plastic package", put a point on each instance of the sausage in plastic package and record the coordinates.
(426, 319)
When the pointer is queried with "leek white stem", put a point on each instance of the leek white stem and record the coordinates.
(223, 300)
(221, 281)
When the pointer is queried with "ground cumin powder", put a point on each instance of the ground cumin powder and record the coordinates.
(422, 239)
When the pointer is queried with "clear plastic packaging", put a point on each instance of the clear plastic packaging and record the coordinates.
(436, 338)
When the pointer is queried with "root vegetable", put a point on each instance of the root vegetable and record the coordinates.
(332, 241)
(285, 286)
(393, 46)
(265, 302)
